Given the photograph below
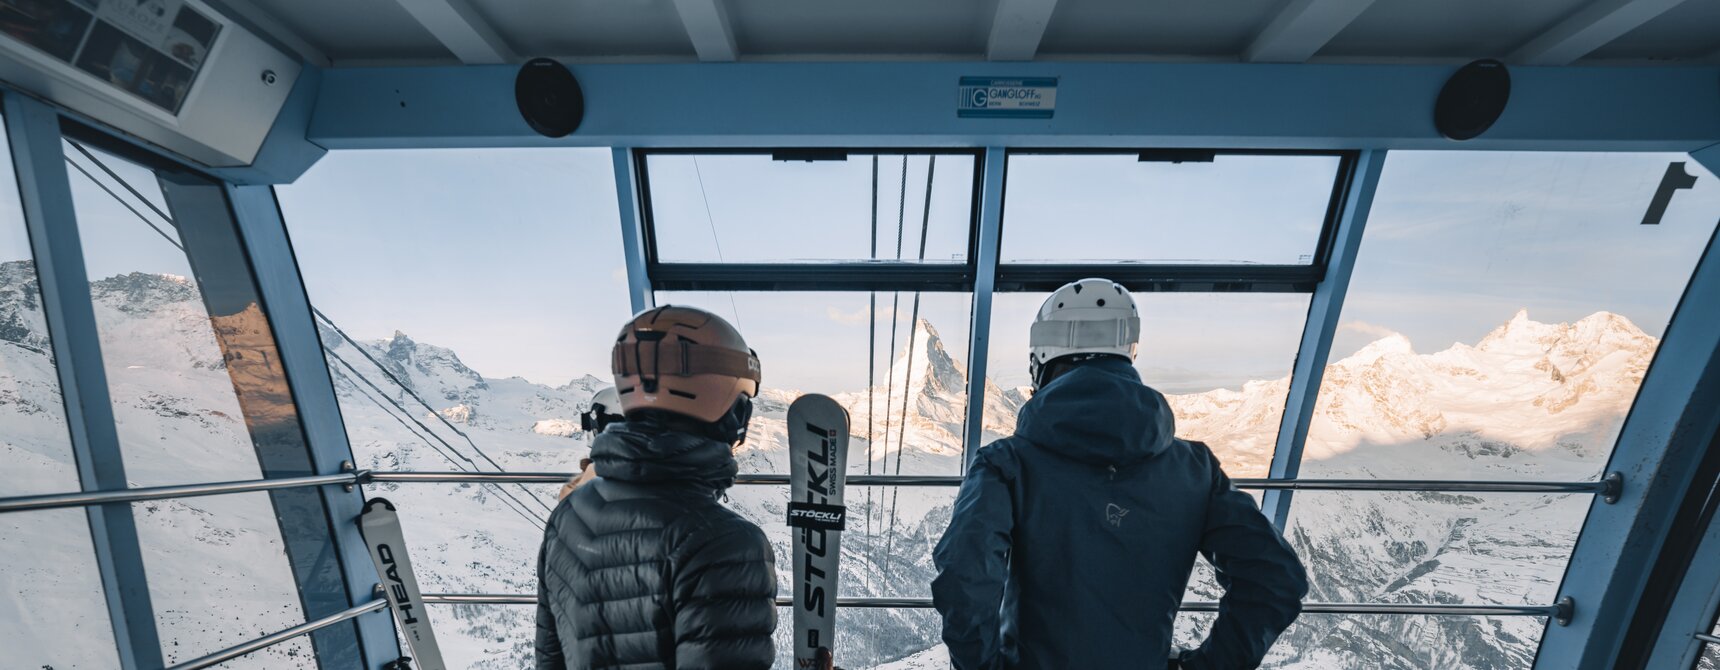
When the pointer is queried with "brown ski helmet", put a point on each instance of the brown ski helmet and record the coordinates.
(683, 360)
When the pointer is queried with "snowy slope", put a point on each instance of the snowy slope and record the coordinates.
(1530, 400)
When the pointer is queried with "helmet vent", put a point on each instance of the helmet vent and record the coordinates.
(1101, 302)
(683, 394)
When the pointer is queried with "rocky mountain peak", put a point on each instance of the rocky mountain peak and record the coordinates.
(143, 292)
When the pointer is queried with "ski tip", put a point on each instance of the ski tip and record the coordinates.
(377, 501)
(812, 401)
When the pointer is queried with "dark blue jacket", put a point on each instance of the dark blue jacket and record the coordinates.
(1071, 542)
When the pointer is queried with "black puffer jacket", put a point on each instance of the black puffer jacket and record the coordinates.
(643, 568)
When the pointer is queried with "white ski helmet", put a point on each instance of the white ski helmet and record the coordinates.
(1089, 316)
(605, 409)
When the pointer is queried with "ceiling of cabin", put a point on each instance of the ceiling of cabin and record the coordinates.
(1526, 32)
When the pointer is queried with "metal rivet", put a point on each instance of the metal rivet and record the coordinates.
(269, 77)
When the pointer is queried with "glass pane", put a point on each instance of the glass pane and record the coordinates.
(53, 613)
(1503, 311)
(1394, 642)
(1222, 360)
(877, 639)
(1235, 209)
(34, 443)
(493, 637)
(505, 352)
(743, 208)
(824, 343)
(218, 576)
(1406, 547)
(178, 416)
(473, 538)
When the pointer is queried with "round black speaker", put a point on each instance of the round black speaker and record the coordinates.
(1472, 99)
(549, 97)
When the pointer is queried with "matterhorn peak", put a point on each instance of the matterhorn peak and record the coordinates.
(924, 365)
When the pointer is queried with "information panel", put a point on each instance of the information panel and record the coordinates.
(152, 49)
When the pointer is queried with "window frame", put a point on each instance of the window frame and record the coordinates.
(849, 275)
(1187, 277)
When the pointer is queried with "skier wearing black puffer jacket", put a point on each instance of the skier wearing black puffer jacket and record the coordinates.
(642, 567)
(1071, 542)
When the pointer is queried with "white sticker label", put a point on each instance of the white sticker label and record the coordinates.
(1007, 97)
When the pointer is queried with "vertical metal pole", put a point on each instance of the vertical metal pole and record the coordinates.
(1323, 312)
(985, 280)
(261, 227)
(627, 197)
(34, 132)
(1664, 437)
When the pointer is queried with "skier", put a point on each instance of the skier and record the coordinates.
(642, 567)
(1071, 542)
(605, 409)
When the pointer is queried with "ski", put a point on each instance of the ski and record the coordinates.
(818, 457)
(381, 526)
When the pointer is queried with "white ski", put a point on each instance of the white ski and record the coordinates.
(818, 457)
(381, 526)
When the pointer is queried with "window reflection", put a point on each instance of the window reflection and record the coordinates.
(199, 395)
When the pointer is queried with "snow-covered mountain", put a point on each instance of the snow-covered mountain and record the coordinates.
(1529, 401)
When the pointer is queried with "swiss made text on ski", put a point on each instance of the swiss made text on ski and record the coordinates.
(818, 457)
(381, 526)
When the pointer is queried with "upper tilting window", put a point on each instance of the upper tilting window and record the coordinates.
(1168, 207)
(810, 206)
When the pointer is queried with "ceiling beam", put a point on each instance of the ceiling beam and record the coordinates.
(1301, 29)
(1590, 28)
(707, 23)
(1017, 27)
(461, 29)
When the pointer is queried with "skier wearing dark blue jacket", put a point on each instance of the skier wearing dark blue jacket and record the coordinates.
(1071, 542)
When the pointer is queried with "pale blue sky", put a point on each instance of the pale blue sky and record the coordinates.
(512, 257)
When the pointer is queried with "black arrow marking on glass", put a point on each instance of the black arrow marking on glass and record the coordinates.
(1676, 178)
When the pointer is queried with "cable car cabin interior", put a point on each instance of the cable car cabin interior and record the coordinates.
(1434, 282)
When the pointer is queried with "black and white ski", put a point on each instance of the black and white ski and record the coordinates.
(818, 457)
(381, 526)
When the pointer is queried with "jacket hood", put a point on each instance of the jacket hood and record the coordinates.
(648, 453)
(1099, 413)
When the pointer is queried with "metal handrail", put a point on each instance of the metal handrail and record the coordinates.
(1710, 639)
(86, 498)
(1187, 606)
(273, 639)
(1608, 486)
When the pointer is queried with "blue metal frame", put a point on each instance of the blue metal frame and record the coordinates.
(903, 104)
(33, 130)
(1693, 609)
(1669, 426)
(259, 222)
(985, 279)
(627, 199)
(1324, 309)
